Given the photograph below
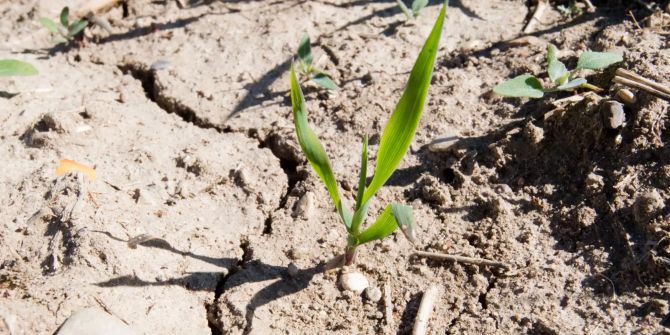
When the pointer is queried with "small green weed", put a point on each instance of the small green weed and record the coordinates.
(527, 85)
(66, 31)
(395, 142)
(307, 68)
(417, 6)
(13, 67)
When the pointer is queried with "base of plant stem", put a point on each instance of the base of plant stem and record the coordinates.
(350, 255)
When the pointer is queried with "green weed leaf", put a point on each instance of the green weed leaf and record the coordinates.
(418, 5)
(404, 9)
(324, 81)
(363, 174)
(385, 225)
(598, 60)
(524, 85)
(50, 25)
(13, 67)
(305, 50)
(557, 71)
(312, 147)
(572, 84)
(404, 216)
(75, 28)
(65, 17)
(402, 125)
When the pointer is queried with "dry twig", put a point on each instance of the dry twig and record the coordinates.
(461, 259)
(425, 310)
(537, 16)
(634, 80)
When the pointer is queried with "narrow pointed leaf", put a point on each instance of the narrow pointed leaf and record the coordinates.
(363, 174)
(402, 125)
(65, 17)
(577, 82)
(312, 147)
(404, 216)
(77, 27)
(556, 69)
(359, 218)
(524, 85)
(384, 226)
(418, 5)
(598, 60)
(305, 50)
(50, 25)
(324, 81)
(12, 67)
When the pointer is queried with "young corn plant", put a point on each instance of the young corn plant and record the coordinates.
(13, 67)
(526, 85)
(307, 68)
(417, 6)
(394, 144)
(66, 31)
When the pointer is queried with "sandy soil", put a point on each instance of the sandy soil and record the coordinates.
(184, 113)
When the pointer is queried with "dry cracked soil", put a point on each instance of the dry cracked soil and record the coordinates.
(205, 217)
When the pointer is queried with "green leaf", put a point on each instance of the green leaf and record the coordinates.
(363, 174)
(312, 147)
(524, 85)
(324, 81)
(77, 27)
(305, 50)
(418, 5)
(571, 85)
(13, 67)
(385, 225)
(50, 25)
(598, 60)
(404, 216)
(556, 69)
(402, 125)
(65, 16)
(404, 9)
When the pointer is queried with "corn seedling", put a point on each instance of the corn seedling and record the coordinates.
(527, 85)
(66, 31)
(307, 68)
(13, 67)
(395, 142)
(417, 6)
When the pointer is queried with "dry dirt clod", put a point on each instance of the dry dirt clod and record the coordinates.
(613, 114)
(373, 293)
(303, 208)
(94, 321)
(533, 133)
(292, 269)
(354, 281)
(647, 205)
(445, 142)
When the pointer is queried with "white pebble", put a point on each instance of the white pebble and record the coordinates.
(354, 281)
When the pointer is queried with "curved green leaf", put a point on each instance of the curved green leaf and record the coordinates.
(50, 25)
(556, 69)
(384, 226)
(305, 50)
(572, 84)
(418, 5)
(75, 28)
(324, 81)
(404, 9)
(402, 125)
(312, 147)
(13, 67)
(404, 216)
(65, 17)
(598, 60)
(525, 85)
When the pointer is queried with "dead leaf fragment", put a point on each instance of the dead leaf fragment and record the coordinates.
(67, 166)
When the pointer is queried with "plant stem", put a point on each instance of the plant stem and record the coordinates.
(592, 87)
(350, 255)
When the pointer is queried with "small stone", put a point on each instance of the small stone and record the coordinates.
(292, 269)
(373, 293)
(298, 253)
(93, 321)
(354, 282)
(646, 206)
(613, 114)
(303, 208)
(445, 142)
(626, 96)
(160, 65)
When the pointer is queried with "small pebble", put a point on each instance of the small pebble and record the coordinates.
(160, 65)
(613, 114)
(292, 270)
(303, 208)
(445, 142)
(354, 282)
(626, 96)
(373, 293)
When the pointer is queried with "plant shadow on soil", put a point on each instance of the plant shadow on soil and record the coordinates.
(250, 271)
